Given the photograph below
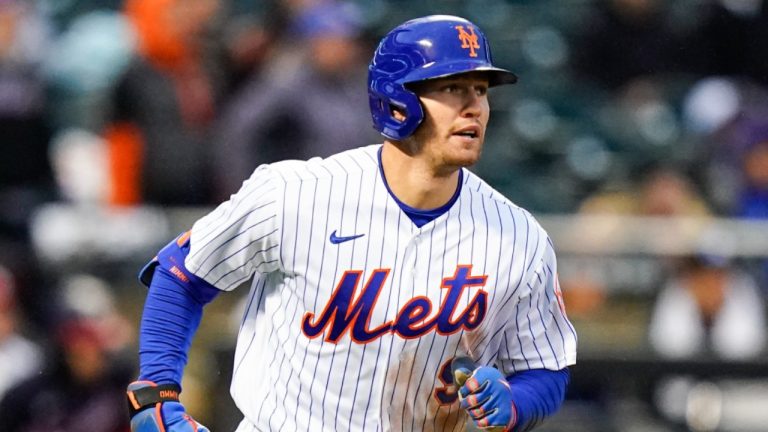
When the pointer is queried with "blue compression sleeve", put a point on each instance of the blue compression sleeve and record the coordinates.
(537, 394)
(172, 313)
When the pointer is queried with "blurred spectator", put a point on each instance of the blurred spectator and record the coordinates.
(25, 173)
(709, 308)
(754, 199)
(710, 103)
(667, 192)
(89, 299)
(584, 294)
(25, 177)
(20, 358)
(80, 166)
(722, 25)
(164, 105)
(84, 61)
(759, 49)
(82, 388)
(752, 196)
(307, 104)
(727, 120)
(627, 39)
(249, 38)
(662, 191)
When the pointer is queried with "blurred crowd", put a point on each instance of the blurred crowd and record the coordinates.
(630, 107)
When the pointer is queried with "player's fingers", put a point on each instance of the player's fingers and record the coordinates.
(471, 385)
(470, 402)
(494, 429)
(473, 401)
(489, 417)
(481, 417)
(480, 413)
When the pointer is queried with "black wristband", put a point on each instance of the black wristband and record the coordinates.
(143, 397)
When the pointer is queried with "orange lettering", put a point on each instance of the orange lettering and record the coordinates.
(468, 40)
(169, 394)
(179, 274)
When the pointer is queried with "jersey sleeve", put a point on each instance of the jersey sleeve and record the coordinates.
(241, 236)
(538, 334)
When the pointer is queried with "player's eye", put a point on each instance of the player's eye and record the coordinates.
(481, 90)
(451, 88)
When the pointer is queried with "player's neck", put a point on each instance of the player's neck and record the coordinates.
(414, 181)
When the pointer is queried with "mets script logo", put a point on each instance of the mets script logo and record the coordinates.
(415, 318)
(468, 39)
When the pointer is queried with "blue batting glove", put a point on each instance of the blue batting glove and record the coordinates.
(156, 408)
(487, 398)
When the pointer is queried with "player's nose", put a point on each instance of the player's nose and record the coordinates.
(473, 105)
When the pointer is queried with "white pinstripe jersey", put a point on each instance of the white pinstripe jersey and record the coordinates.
(356, 334)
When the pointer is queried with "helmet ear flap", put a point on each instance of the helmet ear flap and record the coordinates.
(384, 102)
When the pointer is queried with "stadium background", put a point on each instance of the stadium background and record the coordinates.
(634, 135)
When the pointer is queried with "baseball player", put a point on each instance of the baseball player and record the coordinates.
(372, 270)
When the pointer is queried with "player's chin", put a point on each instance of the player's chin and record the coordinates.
(466, 153)
(465, 159)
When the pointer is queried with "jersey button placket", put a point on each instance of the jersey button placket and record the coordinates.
(414, 247)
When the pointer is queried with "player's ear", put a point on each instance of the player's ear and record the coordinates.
(397, 113)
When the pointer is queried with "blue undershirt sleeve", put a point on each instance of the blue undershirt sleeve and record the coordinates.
(172, 313)
(537, 394)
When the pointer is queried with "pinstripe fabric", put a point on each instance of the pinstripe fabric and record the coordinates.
(291, 373)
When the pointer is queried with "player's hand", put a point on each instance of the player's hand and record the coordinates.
(486, 396)
(166, 415)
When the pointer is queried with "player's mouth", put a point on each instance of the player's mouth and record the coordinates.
(468, 132)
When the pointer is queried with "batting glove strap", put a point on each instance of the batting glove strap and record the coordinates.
(143, 394)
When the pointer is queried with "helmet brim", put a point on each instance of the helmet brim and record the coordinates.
(496, 76)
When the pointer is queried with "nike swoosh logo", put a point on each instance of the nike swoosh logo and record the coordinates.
(336, 239)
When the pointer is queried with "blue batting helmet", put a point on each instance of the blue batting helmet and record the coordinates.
(435, 46)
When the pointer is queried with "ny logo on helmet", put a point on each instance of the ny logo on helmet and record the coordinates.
(468, 40)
